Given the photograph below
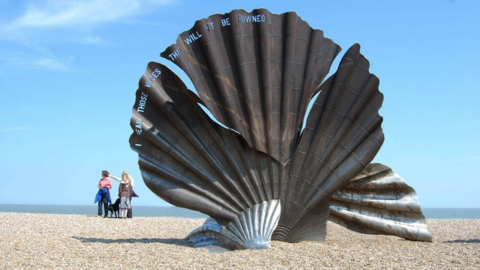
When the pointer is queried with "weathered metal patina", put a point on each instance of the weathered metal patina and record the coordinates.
(265, 177)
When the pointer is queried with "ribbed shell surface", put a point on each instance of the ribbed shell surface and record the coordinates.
(252, 229)
(378, 201)
(256, 73)
(190, 161)
(342, 136)
(257, 78)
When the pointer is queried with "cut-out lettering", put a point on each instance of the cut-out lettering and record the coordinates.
(152, 77)
(138, 126)
(209, 26)
(142, 102)
(192, 37)
(225, 21)
(251, 18)
(175, 54)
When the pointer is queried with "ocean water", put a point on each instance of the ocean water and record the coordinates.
(451, 213)
(156, 211)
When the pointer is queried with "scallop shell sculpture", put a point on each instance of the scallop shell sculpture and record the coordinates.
(258, 175)
(378, 201)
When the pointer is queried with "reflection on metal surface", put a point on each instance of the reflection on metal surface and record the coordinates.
(342, 135)
(378, 201)
(252, 229)
(256, 78)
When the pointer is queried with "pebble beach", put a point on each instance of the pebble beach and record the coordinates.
(51, 241)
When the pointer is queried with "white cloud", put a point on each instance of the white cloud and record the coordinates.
(89, 40)
(43, 61)
(12, 129)
(53, 64)
(78, 13)
(47, 23)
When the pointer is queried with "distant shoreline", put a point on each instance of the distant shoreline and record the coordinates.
(172, 211)
(41, 241)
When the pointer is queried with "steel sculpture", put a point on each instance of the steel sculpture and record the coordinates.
(263, 177)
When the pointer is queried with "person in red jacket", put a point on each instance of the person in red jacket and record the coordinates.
(105, 184)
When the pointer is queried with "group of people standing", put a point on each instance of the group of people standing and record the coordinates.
(125, 193)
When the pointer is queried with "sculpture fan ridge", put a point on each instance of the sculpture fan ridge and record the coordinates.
(256, 72)
(256, 78)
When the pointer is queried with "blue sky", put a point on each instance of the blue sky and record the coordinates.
(69, 71)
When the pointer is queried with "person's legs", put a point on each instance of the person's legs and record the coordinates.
(123, 207)
(128, 213)
(104, 200)
(129, 210)
(105, 204)
(99, 208)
